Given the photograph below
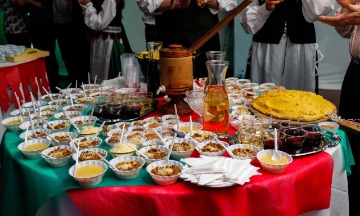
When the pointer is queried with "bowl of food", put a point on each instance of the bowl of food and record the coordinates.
(50, 97)
(182, 148)
(24, 111)
(84, 121)
(185, 127)
(89, 131)
(35, 103)
(32, 148)
(89, 101)
(46, 115)
(58, 156)
(86, 142)
(154, 153)
(201, 136)
(13, 123)
(76, 107)
(127, 167)
(328, 126)
(271, 166)
(71, 114)
(60, 102)
(58, 126)
(63, 138)
(27, 124)
(50, 108)
(123, 149)
(88, 173)
(163, 172)
(35, 134)
(243, 151)
(211, 148)
(90, 154)
(153, 142)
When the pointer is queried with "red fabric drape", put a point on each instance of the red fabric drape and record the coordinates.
(24, 73)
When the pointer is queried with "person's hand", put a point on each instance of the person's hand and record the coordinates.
(83, 2)
(346, 3)
(350, 17)
(270, 4)
(214, 4)
(181, 3)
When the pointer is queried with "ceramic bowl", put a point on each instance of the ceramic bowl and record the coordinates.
(164, 180)
(13, 123)
(212, 153)
(61, 160)
(177, 155)
(92, 180)
(33, 154)
(273, 166)
(124, 174)
(246, 151)
(158, 147)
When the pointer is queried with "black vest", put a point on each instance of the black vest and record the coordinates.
(118, 17)
(298, 30)
(192, 23)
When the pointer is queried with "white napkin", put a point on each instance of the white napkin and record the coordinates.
(218, 171)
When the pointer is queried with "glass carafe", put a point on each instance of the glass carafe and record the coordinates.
(216, 104)
(153, 70)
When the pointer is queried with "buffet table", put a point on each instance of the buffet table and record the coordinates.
(307, 185)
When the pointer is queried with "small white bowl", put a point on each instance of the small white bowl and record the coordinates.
(37, 104)
(121, 124)
(153, 119)
(153, 142)
(164, 180)
(201, 136)
(62, 134)
(169, 117)
(13, 123)
(25, 111)
(58, 123)
(33, 154)
(243, 146)
(77, 107)
(26, 124)
(88, 181)
(57, 162)
(102, 152)
(60, 102)
(89, 101)
(89, 131)
(329, 126)
(47, 98)
(208, 153)
(86, 142)
(46, 115)
(177, 155)
(271, 167)
(115, 132)
(91, 86)
(121, 149)
(127, 174)
(84, 121)
(147, 148)
(181, 133)
(42, 133)
(71, 114)
(50, 108)
(138, 123)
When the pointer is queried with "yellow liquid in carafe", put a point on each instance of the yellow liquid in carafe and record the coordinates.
(88, 171)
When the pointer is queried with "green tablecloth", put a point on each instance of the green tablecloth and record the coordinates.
(348, 158)
(27, 184)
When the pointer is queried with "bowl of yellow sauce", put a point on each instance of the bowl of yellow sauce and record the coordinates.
(271, 166)
(32, 148)
(185, 127)
(88, 173)
(13, 123)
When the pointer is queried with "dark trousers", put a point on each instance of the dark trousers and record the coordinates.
(75, 50)
(44, 39)
(150, 33)
(350, 109)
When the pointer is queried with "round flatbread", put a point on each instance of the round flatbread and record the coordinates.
(294, 105)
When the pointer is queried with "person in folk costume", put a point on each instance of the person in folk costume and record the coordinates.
(284, 48)
(107, 35)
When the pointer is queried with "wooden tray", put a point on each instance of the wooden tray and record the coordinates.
(261, 115)
(28, 54)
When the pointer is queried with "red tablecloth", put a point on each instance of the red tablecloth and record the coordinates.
(304, 186)
(25, 73)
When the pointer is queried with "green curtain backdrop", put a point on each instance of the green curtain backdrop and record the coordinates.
(2, 36)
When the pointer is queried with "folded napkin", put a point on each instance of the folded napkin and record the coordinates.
(217, 171)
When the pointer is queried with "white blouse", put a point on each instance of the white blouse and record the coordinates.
(254, 16)
(99, 21)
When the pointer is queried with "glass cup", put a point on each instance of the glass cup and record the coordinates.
(268, 139)
(313, 138)
(113, 111)
(132, 109)
(215, 55)
(146, 101)
(251, 135)
(295, 138)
